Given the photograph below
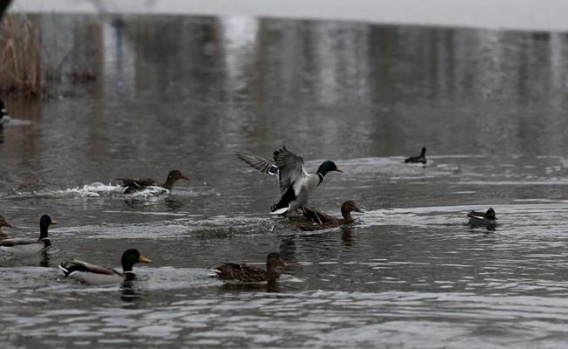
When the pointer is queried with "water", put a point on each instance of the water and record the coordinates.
(185, 92)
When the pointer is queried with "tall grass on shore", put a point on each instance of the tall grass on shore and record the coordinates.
(20, 57)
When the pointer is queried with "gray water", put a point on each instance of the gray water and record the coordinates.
(186, 92)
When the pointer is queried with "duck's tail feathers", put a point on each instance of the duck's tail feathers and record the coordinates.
(281, 210)
(214, 272)
(65, 269)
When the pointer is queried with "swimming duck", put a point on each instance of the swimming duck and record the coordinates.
(313, 218)
(295, 182)
(417, 159)
(98, 275)
(3, 223)
(4, 117)
(248, 273)
(477, 219)
(23, 247)
(133, 185)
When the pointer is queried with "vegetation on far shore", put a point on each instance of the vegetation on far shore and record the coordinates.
(20, 57)
(26, 70)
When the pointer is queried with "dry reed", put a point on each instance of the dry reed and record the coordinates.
(20, 57)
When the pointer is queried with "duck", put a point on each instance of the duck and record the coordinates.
(295, 182)
(316, 220)
(4, 223)
(248, 273)
(23, 247)
(4, 117)
(420, 159)
(487, 218)
(133, 185)
(93, 274)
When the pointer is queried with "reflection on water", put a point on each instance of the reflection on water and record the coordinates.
(209, 70)
(185, 92)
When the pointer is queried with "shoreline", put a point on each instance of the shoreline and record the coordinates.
(519, 15)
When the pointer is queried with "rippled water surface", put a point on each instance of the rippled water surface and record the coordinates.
(186, 92)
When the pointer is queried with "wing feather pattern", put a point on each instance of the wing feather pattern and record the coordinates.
(258, 163)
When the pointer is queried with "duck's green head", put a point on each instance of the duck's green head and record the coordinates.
(131, 257)
(490, 214)
(45, 221)
(328, 166)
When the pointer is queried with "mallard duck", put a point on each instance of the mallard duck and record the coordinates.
(477, 219)
(248, 273)
(295, 182)
(133, 185)
(4, 117)
(98, 275)
(417, 159)
(316, 220)
(4, 223)
(23, 247)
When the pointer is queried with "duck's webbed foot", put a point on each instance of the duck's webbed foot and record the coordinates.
(312, 214)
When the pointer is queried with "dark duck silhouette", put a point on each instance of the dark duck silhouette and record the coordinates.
(295, 182)
(316, 220)
(93, 274)
(482, 219)
(248, 273)
(4, 223)
(24, 247)
(133, 185)
(4, 117)
(420, 159)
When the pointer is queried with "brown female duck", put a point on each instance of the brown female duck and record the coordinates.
(3, 223)
(316, 220)
(133, 185)
(248, 273)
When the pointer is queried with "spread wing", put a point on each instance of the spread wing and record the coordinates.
(291, 168)
(258, 163)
